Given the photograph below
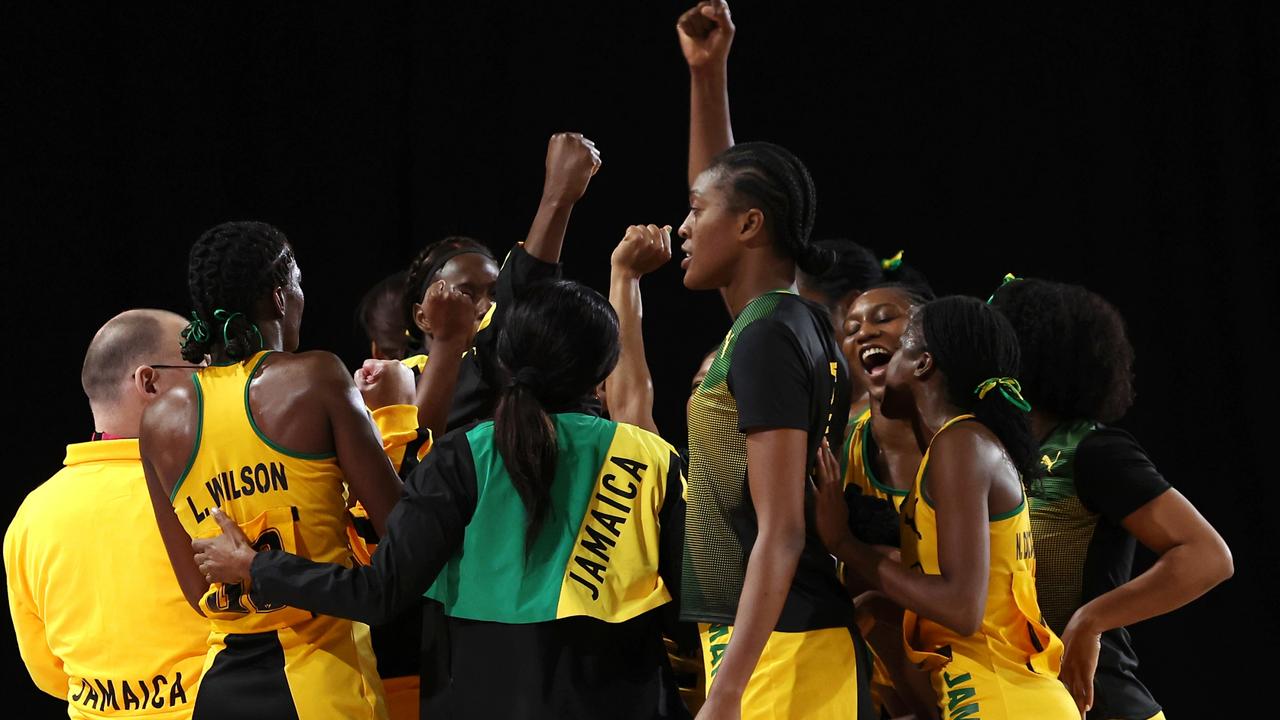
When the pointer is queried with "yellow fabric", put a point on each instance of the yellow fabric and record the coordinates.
(417, 363)
(856, 466)
(285, 500)
(398, 426)
(99, 617)
(402, 697)
(799, 675)
(634, 476)
(1013, 658)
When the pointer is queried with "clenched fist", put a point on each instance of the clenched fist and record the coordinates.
(644, 248)
(706, 32)
(571, 162)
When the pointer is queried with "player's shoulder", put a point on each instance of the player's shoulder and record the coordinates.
(316, 369)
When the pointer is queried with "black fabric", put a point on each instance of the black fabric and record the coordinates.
(475, 395)
(569, 668)
(246, 681)
(1114, 476)
(780, 377)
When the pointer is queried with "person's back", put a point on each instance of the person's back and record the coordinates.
(101, 621)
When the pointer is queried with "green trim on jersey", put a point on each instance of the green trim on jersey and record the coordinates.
(758, 308)
(248, 411)
(195, 448)
(520, 589)
(869, 467)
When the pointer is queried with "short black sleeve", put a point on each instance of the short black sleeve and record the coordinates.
(424, 530)
(770, 378)
(1114, 476)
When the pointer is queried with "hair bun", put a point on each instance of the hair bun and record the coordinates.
(816, 260)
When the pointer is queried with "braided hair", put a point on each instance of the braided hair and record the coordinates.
(970, 342)
(767, 176)
(230, 269)
(424, 268)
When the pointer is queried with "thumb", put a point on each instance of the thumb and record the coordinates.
(227, 525)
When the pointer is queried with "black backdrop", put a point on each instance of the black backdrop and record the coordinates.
(1131, 148)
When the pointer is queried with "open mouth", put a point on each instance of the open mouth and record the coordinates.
(875, 360)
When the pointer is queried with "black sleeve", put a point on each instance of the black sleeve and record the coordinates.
(770, 378)
(424, 530)
(671, 522)
(1114, 476)
(519, 271)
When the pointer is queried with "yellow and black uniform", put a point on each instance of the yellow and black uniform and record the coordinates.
(779, 367)
(1009, 667)
(859, 470)
(571, 628)
(1095, 476)
(290, 662)
(100, 619)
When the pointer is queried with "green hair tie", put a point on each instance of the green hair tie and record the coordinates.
(1010, 388)
(1008, 278)
(196, 331)
(226, 319)
(892, 263)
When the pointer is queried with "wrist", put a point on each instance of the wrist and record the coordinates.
(556, 200)
(711, 71)
(450, 342)
(1084, 620)
(623, 273)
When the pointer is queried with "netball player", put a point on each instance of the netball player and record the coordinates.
(380, 316)
(275, 439)
(643, 249)
(551, 537)
(966, 577)
(99, 620)
(1099, 493)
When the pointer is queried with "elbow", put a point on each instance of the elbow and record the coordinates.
(965, 620)
(1224, 566)
(785, 541)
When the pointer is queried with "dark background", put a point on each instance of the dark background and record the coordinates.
(1132, 148)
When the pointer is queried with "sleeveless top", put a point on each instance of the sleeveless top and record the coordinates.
(858, 467)
(1013, 637)
(283, 500)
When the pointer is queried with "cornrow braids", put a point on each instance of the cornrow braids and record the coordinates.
(424, 268)
(769, 177)
(231, 267)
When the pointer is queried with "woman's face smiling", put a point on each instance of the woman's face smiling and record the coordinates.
(710, 233)
(874, 326)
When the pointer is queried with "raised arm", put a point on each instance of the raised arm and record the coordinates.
(957, 596)
(644, 248)
(571, 162)
(451, 320)
(706, 32)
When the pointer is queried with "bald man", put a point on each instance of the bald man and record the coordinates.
(100, 619)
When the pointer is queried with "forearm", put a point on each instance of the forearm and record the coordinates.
(770, 570)
(434, 394)
(1180, 575)
(546, 234)
(932, 596)
(629, 386)
(710, 131)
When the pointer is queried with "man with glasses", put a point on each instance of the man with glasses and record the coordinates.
(99, 616)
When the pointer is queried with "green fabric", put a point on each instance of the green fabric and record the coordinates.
(1058, 455)
(758, 308)
(489, 578)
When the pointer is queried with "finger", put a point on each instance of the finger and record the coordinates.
(228, 526)
(666, 241)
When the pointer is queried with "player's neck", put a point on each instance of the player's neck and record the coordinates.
(756, 275)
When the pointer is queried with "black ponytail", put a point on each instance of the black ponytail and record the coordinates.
(972, 343)
(769, 177)
(231, 268)
(558, 342)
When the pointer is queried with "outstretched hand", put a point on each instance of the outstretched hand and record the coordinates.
(830, 511)
(383, 383)
(643, 249)
(572, 160)
(1080, 663)
(225, 558)
(706, 32)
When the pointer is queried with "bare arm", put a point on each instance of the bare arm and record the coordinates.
(571, 162)
(957, 596)
(776, 479)
(1193, 558)
(706, 32)
(451, 317)
(630, 386)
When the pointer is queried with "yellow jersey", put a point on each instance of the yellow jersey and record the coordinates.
(1009, 667)
(100, 619)
(284, 500)
(858, 467)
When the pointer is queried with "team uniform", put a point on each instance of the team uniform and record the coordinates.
(1009, 667)
(570, 630)
(779, 367)
(859, 470)
(291, 662)
(99, 617)
(1094, 477)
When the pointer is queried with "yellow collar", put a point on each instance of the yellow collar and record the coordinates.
(99, 450)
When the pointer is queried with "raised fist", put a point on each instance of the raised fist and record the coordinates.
(644, 248)
(706, 32)
(571, 161)
(451, 315)
(384, 382)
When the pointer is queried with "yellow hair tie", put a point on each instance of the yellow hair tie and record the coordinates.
(1010, 388)
(1008, 278)
(892, 263)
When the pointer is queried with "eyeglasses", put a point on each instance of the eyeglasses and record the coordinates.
(167, 367)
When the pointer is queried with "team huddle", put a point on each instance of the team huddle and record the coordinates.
(888, 505)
